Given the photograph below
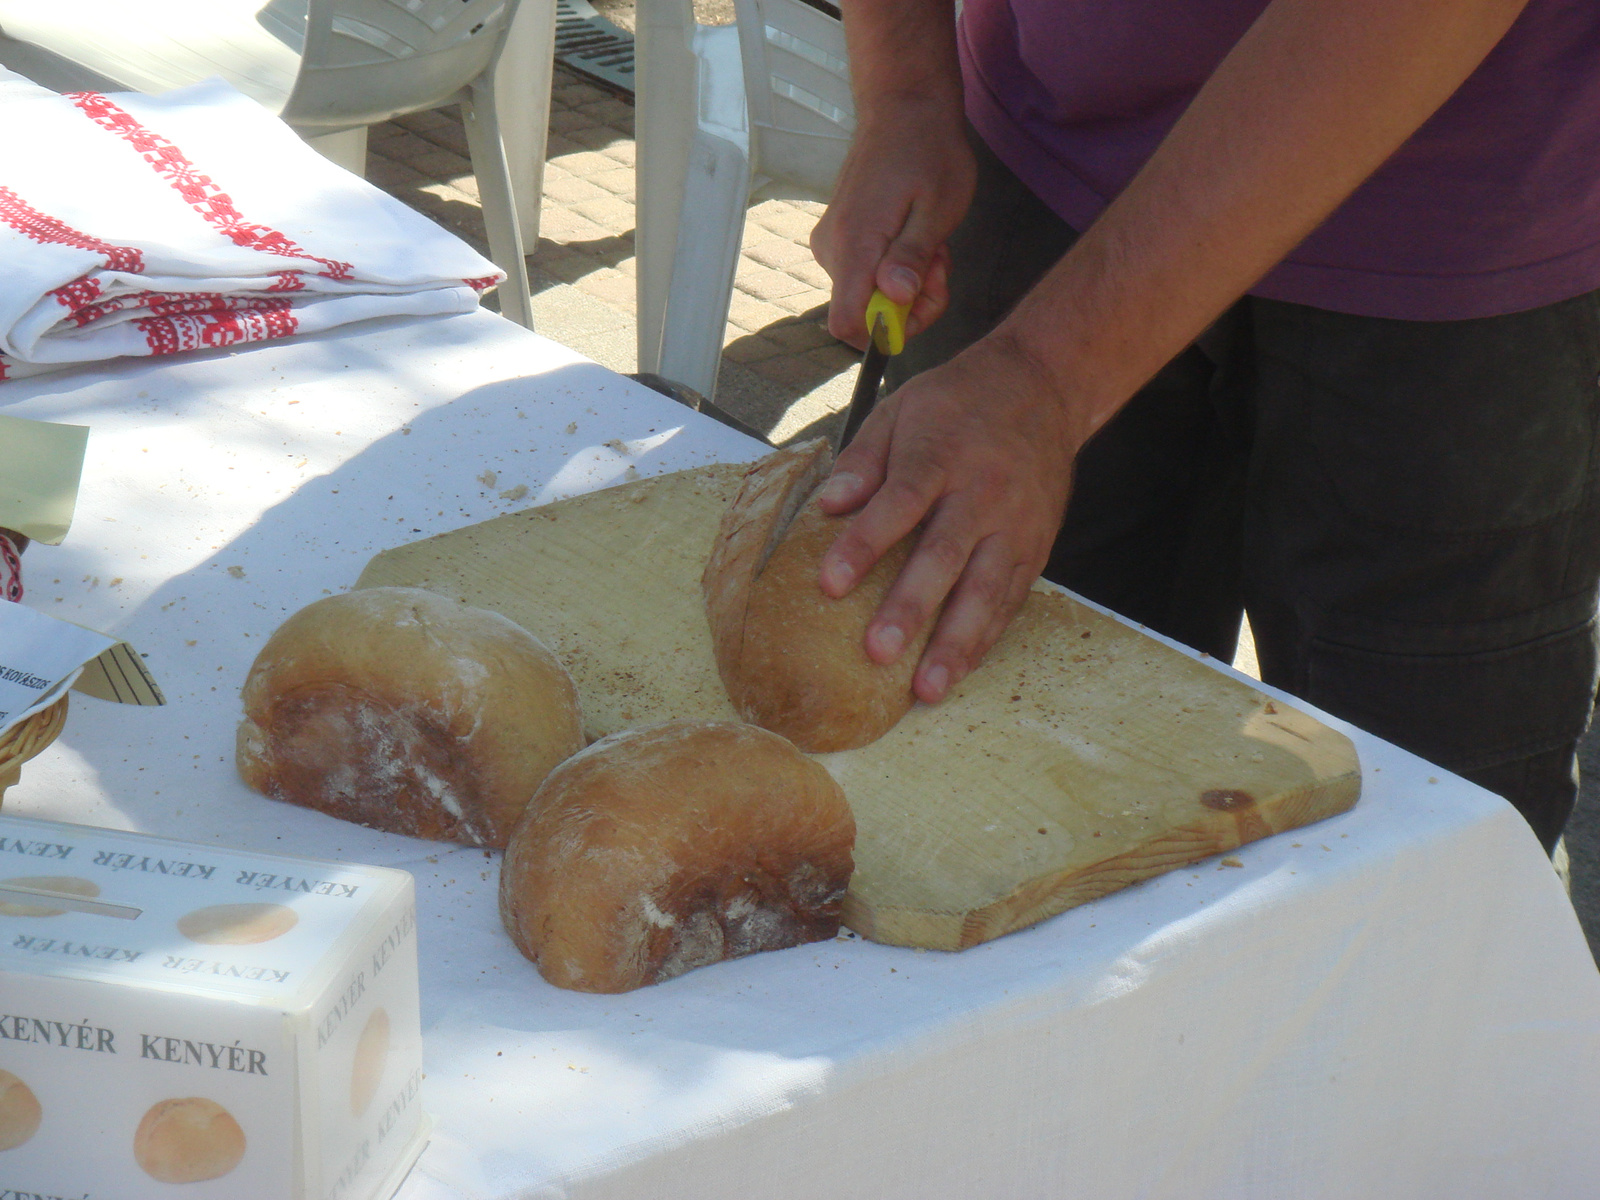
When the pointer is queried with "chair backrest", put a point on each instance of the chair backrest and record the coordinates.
(364, 61)
(797, 87)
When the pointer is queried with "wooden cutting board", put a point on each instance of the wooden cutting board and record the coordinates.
(1082, 757)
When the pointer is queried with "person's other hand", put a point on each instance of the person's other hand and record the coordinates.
(979, 453)
(905, 185)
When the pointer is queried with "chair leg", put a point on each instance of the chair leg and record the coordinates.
(347, 149)
(523, 76)
(664, 119)
(710, 231)
(499, 205)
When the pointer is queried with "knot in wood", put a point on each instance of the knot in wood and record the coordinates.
(1226, 799)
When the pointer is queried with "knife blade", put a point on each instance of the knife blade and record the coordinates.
(886, 322)
(868, 381)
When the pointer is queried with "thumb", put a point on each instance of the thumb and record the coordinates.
(899, 280)
(909, 257)
(861, 466)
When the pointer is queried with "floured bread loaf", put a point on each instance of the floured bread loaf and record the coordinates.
(407, 711)
(662, 849)
(790, 656)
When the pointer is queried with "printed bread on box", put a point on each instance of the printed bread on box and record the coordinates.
(243, 1025)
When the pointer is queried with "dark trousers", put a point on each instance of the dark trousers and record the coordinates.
(1409, 511)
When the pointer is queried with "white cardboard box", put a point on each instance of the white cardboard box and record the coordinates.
(227, 1025)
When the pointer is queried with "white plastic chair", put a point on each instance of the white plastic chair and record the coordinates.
(726, 116)
(330, 68)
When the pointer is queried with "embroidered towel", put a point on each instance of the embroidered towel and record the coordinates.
(137, 225)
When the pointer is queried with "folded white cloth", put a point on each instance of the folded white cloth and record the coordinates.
(133, 225)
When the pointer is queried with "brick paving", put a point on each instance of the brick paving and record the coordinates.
(782, 371)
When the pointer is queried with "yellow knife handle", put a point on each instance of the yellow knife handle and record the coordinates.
(890, 334)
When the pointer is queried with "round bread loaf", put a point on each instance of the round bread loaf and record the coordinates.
(792, 658)
(20, 1113)
(187, 1140)
(407, 711)
(662, 849)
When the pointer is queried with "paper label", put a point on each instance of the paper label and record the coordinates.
(39, 658)
(40, 464)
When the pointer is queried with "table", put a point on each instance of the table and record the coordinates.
(1396, 1002)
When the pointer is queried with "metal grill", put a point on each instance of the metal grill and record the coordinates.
(593, 46)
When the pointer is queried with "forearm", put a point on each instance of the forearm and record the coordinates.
(1309, 103)
(900, 51)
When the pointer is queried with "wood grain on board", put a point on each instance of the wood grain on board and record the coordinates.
(1082, 757)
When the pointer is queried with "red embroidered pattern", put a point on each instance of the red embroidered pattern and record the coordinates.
(288, 281)
(169, 335)
(166, 304)
(197, 189)
(47, 230)
(160, 334)
(10, 570)
(171, 304)
(483, 284)
(90, 313)
(77, 294)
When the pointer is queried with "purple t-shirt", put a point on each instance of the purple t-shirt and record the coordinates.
(1493, 206)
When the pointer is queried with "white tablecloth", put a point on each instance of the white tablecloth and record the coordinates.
(1394, 1003)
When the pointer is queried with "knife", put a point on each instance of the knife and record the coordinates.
(887, 322)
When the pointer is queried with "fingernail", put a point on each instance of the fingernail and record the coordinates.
(837, 575)
(839, 489)
(937, 679)
(905, 279)
(890, 641)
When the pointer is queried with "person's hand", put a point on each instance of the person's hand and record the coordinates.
(905, 185)
(979, 452)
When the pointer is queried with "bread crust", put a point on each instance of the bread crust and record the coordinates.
(804, 672)
(792, 658)
(407, 711)
(760, 514)
(662, 849)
